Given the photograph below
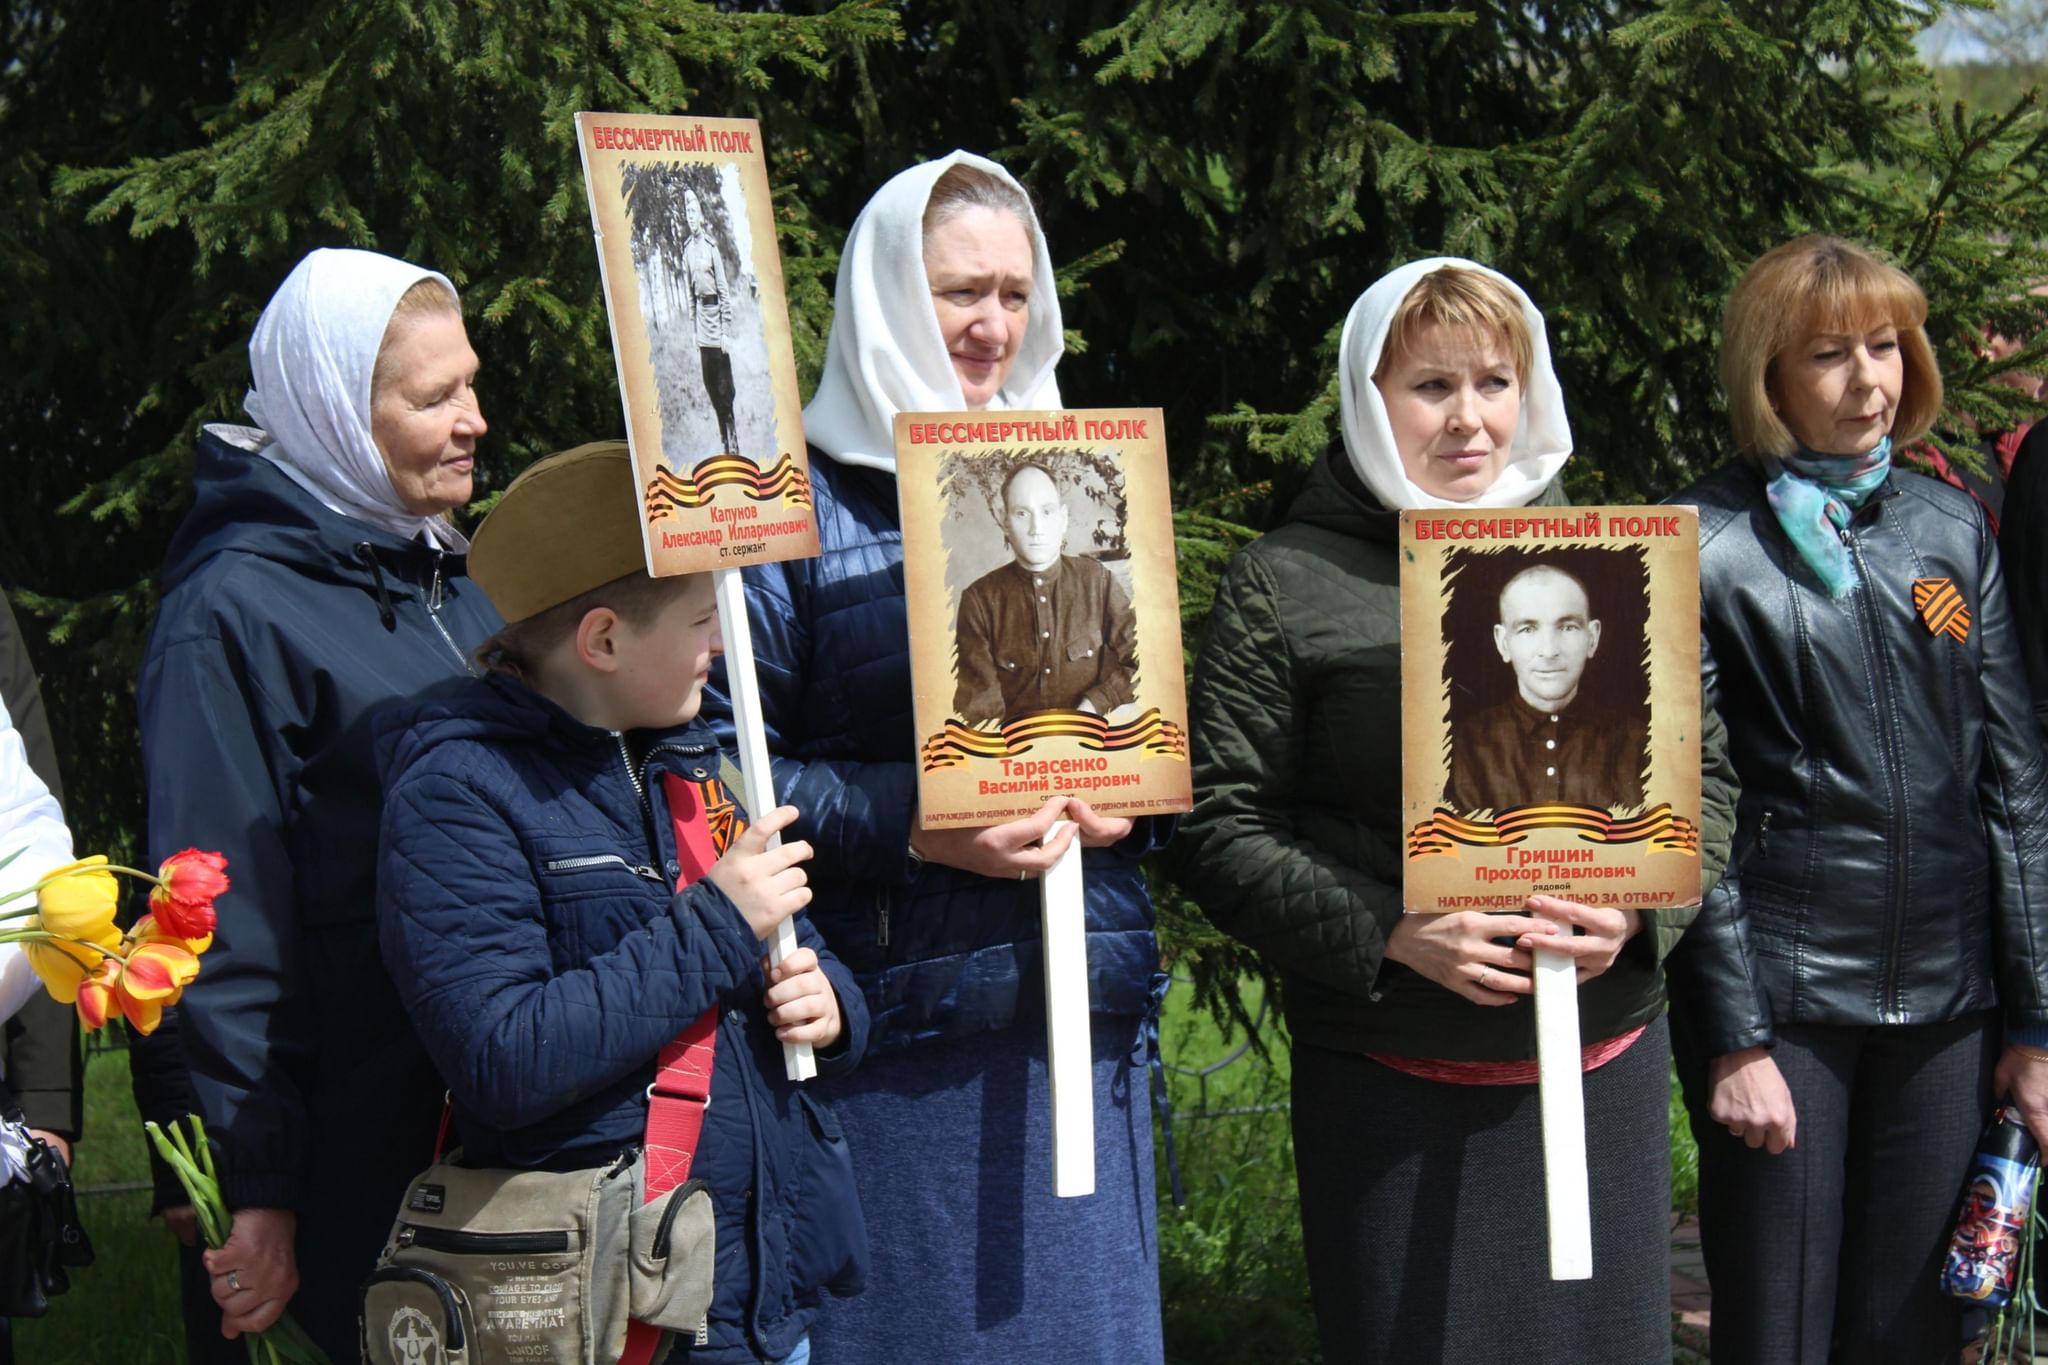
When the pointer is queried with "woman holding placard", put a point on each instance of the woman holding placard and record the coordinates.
(1416, 1113)
(1836, 1012)
(945, 301)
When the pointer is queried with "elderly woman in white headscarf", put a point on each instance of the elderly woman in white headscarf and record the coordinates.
(945, 301)
(1416, 1123)
(316, 580)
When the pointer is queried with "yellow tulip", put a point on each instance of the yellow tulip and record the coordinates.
(77, 901)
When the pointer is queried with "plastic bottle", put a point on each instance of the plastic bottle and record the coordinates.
(1983, 1259)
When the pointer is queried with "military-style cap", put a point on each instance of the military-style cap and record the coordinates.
(568, 524)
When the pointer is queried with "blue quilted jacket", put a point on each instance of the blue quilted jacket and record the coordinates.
(943, 953)
(526, 916)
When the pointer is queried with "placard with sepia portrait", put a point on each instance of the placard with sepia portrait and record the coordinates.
(700, 331)
(1550, 706)
(1044, 613)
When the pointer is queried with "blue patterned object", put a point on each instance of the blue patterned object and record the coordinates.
(1815, 495)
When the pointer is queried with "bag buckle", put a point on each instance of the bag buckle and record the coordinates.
(697, 1090)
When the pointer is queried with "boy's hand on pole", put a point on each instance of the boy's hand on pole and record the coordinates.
(767, 884)
(801, 1002)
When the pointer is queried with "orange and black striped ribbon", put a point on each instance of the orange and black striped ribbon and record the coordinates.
(721, 813)
(957, 743)
(669, 492)
(1664, 831)
(1942, 607)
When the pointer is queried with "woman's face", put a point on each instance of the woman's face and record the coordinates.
(978, 264)
(1838, 391)
(425, 418)
(1453, 402)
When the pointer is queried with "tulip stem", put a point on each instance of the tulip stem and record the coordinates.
(84, 870)
(45, 936)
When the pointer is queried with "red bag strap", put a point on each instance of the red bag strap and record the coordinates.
(676, 1103)
(682, 1078)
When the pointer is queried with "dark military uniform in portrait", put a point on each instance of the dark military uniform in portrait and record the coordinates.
(1514, 755)
(1048, 640)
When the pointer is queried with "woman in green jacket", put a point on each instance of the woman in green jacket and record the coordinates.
(1415, 1114)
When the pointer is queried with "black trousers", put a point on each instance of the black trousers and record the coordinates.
(718, 387)
(1840, 1239)
(1422, 1215)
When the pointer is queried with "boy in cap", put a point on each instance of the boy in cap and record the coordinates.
(565, 885)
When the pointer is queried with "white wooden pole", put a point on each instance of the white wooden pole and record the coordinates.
(756, 777)
(1069, 1063)
(1563, 1100)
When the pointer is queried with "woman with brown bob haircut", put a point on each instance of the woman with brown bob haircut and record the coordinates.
(1870, 972)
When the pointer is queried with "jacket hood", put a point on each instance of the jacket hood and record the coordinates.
(1335, 499)
(499, 709)
(245, 504)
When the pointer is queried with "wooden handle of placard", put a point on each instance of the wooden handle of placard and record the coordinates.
(1563, 1100)
(756, 778)
(1069, 1064)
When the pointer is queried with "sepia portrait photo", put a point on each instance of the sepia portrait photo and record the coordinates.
(1041, 581)
(1546, 675)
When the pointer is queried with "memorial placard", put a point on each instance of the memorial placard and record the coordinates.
(700, 331)
(1550, 676)
(1044, 613)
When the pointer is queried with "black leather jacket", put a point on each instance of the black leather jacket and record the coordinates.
(1891, 845)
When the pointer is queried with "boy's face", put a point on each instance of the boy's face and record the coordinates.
(662, 666)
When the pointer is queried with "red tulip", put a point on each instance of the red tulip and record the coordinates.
(149, 928)
(183, 903)
(96, 995)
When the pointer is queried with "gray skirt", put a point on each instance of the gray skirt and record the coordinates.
(1422, 1215)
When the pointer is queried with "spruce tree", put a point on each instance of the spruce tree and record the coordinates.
(1218, 182)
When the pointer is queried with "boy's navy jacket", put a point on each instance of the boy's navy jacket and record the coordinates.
(526, 910)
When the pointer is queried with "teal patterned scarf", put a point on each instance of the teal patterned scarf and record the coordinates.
(1814, 496)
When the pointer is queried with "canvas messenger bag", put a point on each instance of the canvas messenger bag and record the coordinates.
(492, 1267)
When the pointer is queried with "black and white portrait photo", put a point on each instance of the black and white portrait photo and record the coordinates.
(692, 250)
(1546, 667)
(1038, 569)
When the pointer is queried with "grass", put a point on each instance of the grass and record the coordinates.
(1685, 1158)
(1230, 1261)
(123, 1307)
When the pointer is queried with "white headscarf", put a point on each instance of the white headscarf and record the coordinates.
(885, 354)
(312, 356)
(1543, 439)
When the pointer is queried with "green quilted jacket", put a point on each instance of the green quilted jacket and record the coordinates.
(1294, 846)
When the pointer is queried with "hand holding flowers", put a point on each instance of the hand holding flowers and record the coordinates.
(283, 1342)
